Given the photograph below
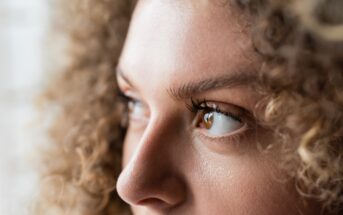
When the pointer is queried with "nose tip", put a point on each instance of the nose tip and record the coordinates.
(158, 195)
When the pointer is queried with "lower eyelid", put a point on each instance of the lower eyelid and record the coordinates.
(231, 137)
(223, 145)
(134, 117)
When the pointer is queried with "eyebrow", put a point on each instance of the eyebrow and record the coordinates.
(187, 90)
(190, 89)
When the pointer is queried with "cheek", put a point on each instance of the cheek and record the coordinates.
(238, 185)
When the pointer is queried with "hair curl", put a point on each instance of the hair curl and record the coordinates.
(301, 80)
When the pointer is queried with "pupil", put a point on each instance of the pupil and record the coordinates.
(208, 120)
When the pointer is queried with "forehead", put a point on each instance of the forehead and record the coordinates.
(188, 40)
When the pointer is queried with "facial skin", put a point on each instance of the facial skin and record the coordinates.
(203, 162)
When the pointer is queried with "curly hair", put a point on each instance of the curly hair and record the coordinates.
(301, 81)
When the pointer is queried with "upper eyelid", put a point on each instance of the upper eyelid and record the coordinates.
(124, 86)
(121, 76)
(206, 104)
(128, 90)
(130, 98)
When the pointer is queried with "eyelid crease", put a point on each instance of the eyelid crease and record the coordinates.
(121, 75)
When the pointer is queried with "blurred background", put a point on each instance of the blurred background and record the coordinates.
(23, 42)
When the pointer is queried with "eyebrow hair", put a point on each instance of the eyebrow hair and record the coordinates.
(187, 90)
(226, 81)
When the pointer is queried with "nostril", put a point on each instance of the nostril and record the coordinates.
(154, 203)
(151, 201)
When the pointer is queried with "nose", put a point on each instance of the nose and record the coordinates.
(151, 178)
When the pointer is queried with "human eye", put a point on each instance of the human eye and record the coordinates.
(135, 108)
(217, 120)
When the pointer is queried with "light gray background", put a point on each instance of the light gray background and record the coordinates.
(23, 27)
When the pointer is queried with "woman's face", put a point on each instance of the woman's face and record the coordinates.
(191, 145)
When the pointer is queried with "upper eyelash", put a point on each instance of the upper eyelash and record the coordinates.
(122, 96)
(195, 105)
(125, 98)
(198, 105)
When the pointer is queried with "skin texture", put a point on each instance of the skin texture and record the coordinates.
(172, 166)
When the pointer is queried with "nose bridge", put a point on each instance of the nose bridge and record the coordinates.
(150, 172)
(154, 150)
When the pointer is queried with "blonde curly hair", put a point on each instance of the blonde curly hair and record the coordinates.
(301, 43)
